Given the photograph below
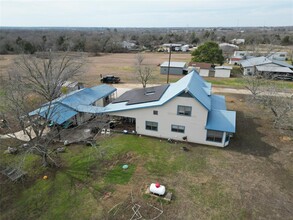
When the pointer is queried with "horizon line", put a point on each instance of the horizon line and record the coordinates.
(188, 27)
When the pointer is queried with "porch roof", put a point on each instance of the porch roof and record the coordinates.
(222, 120)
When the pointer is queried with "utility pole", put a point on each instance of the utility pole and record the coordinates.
(170, 48)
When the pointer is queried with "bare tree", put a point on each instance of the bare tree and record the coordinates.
(280, 104)
(255, 84)
(31, 82)
(143, 73)
(269, 95)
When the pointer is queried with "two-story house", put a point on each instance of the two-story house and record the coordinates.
(184, 110)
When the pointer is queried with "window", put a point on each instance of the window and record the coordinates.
(184, 110)
(178, 128)
(215, 136)
(153, 126)
(155, 112)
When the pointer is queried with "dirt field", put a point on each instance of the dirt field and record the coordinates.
(120, 64)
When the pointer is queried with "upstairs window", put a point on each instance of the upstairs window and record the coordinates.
(184, 110)
(155, 112)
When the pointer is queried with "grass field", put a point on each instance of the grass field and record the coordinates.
(250, 179)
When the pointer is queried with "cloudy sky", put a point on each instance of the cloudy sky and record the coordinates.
(146, 13)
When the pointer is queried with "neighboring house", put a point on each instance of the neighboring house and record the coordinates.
(128, 45)
(174, 47)
(241, 53)
(74, 108)
(185, 48)
(184, 110)
(238, 56)
(238, 41)
(228, 49)
(250, 66)
(275, 72)
(223, 71)
(176, 68)
(282, 56)
(204, 69)
(235, 60)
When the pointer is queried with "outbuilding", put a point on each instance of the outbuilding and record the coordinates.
(223, 71)
(75, 107)
(204, 69)
(176, 68)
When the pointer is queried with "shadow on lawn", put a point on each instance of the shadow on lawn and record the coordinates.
(248, 140)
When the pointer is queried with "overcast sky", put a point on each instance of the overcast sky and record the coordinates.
(146, 13)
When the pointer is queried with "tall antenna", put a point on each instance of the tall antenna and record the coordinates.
(170, 48)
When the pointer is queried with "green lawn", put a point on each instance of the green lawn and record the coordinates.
(240, 83)
(79, 189)
(75, 190)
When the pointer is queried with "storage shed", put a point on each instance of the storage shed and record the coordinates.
(176, 68)
(223, 71)
(204, 69)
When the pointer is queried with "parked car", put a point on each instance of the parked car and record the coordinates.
(110, 79)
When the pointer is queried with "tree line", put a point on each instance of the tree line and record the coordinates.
(109, 40)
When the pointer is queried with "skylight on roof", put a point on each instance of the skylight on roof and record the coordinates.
(149, 92)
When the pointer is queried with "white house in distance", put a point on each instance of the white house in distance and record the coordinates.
(223, 71)
(128, 45)
(184, 110)
(282, 56)
(238, 41)
(238, 56)
(176, 68)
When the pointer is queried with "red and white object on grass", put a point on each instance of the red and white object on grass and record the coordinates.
(158, 189)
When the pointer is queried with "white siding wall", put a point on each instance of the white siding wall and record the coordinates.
(222, 73)
(167, 116)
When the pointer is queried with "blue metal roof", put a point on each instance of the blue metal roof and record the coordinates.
(57, 112)
(222, 120)
(86, 96)
(191, 83)
(199, 89)
(218, 102)
(65, 107)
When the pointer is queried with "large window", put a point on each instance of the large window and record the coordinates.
(178, 128)
(215, 136)
(184, 110)
(153, 126)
